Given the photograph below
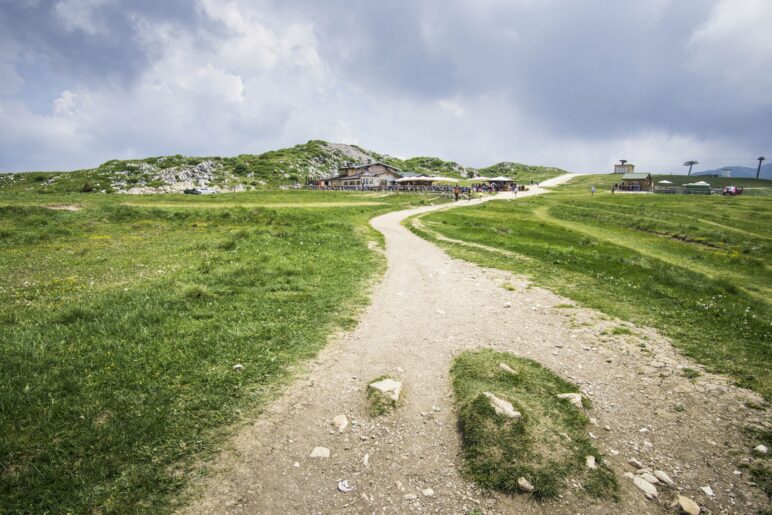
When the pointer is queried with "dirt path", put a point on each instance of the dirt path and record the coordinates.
(429, 308)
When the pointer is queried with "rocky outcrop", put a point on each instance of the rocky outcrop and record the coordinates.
(144, 178)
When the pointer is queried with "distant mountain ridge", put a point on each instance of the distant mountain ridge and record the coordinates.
(295, 165)
(740, 172)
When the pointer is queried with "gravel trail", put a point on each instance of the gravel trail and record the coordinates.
(427, 309)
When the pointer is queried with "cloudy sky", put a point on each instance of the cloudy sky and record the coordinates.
(570, 83)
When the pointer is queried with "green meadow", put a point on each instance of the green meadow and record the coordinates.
(121, 324)
(695, 267)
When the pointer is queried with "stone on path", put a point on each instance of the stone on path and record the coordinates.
(502, 407)
(573, 398)
(389, 387)
(662, 476)
(687, 506)
(427, 492)
(590, 462)
(506, 368)
(344, 487)
(650, 478)
(635, 463)
(761, 449)
(524, 485)
(340, 422)
(707, 490)
(649, 490)
(320, 452)
(507, 304)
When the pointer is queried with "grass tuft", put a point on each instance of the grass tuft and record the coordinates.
(690, 373)
(380, 404)
(621, 330)
(197, 292)
(547, 445)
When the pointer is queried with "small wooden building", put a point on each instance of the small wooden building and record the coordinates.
(624, 168)
(373, 167)
(636, 182)
(367, 175)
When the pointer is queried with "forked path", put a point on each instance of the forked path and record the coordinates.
(427, 309)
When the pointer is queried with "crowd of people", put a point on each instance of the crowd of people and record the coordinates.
(433, 188)
(393, 187)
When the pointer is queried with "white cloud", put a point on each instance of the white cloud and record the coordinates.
(80, 15)
(453, 106)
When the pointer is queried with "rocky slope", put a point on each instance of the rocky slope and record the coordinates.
(284, 167)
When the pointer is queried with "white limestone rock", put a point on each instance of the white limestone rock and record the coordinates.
(388, 387)
(573, 398)
(649, 490)
(340, 422)
(687, 506)
(320, 452)
(506, 368)
(524, 485)
(502, 407)
(662, 476)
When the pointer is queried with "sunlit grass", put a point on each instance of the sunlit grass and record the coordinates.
(697, 268)
(121, 326)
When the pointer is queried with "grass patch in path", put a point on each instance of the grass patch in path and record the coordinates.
(547, 445)
(382, 403)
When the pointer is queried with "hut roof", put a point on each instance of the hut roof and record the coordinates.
(635, 176)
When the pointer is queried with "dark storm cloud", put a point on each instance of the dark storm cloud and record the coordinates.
(594, 68)
(563, 82)
(107, 48)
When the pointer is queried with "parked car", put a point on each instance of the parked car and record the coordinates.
(199, 191)
(732, 190)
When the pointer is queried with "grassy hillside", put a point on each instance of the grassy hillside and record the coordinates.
(433, 166)
(524, 174)
(120, 327)
(270, 169)
(697, 268)
(275, 168)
